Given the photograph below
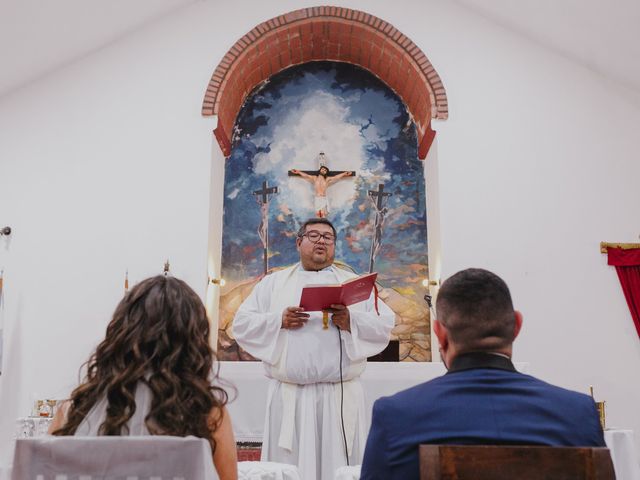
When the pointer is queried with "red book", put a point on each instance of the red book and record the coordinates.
(320, 297)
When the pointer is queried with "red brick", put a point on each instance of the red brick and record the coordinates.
(305, 28)
(392, 77)
(413, 96)
(274, 62)
(343, 54)
(376, 57)
(283, 37)
(285, 58)
(378, 38)
(296, 55)
(432, 76)
(344, 27)
(424, 63)
(413, 50)
(360, 49)
(426, 141)
(306, 48)
(326, 32)
(333, 50)
(297, 42)
(319, 49)
(419, 56)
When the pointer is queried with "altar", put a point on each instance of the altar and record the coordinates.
(247, 404)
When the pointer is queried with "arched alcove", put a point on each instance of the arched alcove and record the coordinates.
(326, 33)
(314, 35)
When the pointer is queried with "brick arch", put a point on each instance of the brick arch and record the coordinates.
(326, 33)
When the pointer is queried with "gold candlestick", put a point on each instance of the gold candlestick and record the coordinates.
(325, 320)
(600, 408)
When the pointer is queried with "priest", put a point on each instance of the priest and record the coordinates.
(315, 405)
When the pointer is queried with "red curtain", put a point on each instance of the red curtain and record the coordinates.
(627, 263)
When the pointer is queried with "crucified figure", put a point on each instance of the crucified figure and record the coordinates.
(321, 181)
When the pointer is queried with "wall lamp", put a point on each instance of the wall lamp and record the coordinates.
(5, 231)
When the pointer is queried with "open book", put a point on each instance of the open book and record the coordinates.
(319, 297)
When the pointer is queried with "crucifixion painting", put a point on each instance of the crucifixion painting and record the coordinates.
(368, 181)
(321, 180)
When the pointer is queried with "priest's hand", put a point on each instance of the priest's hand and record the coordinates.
(294, 318)
(340, 317)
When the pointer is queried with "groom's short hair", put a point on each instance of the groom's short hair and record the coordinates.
(476, 308)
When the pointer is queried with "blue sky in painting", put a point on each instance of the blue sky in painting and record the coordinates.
(361, 125)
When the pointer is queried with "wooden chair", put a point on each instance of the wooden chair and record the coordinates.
(489, 462)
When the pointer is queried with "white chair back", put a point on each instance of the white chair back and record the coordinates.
(113, 458)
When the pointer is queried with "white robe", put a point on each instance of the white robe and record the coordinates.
(303, 421)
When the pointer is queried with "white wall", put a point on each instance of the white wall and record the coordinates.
(105, 165)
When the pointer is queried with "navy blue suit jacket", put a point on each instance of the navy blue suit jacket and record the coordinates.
(481, 400)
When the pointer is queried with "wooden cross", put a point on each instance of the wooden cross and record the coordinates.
(321, 183)
(378, 197)
(263, 196)
(330, 173)
(322, 162)
(265, 191)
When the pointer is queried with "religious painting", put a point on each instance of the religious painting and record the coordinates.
(327, 139)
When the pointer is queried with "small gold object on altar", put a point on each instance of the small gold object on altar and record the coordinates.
(325, 320)
(45, 408)
(601, 409)
(601, 414)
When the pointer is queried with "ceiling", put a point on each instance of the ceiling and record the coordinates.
(602, 35)
(40, 36)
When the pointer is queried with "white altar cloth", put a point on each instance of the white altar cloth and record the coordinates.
(379, 379)
(623, 453)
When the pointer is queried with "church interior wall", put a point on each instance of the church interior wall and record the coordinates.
(106, 165)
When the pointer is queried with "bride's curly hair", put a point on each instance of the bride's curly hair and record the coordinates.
(159, 335)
